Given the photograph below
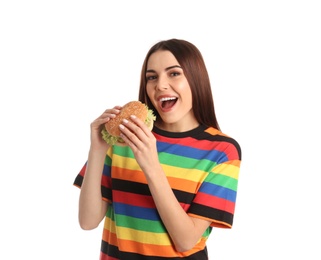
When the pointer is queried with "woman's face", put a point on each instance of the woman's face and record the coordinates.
(170, 93)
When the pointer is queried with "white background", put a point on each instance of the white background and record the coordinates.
(63, 62)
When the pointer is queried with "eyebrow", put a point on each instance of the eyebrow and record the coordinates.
(168, 68)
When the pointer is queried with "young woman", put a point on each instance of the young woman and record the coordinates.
(162, 193)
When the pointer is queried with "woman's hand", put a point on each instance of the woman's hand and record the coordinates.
(92, 208)
(97, 142)
(142, 142)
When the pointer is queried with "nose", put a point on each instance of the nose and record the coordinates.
(162, 83)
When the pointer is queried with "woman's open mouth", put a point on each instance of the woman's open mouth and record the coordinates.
(167, 102)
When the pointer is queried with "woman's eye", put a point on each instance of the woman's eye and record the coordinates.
(151, 77)
(175, 74)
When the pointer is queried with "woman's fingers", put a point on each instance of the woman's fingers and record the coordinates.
(98, 124)
(135, 131)
(106, 116)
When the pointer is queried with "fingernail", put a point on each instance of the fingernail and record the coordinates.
(121, 126)
(125, 121)
(133, 116)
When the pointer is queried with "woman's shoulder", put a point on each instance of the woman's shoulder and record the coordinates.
(223, 139)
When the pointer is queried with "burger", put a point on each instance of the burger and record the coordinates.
(111, 132)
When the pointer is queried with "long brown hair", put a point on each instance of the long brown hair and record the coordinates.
(193, 65)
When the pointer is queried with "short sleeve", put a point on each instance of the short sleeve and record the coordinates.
(216, 197)
(105, 179)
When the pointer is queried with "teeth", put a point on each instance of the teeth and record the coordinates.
(167, 98)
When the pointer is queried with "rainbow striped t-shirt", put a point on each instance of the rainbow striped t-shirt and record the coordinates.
(202, 168)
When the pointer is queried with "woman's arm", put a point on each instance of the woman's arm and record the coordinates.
(184, 230)
(92, 208)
